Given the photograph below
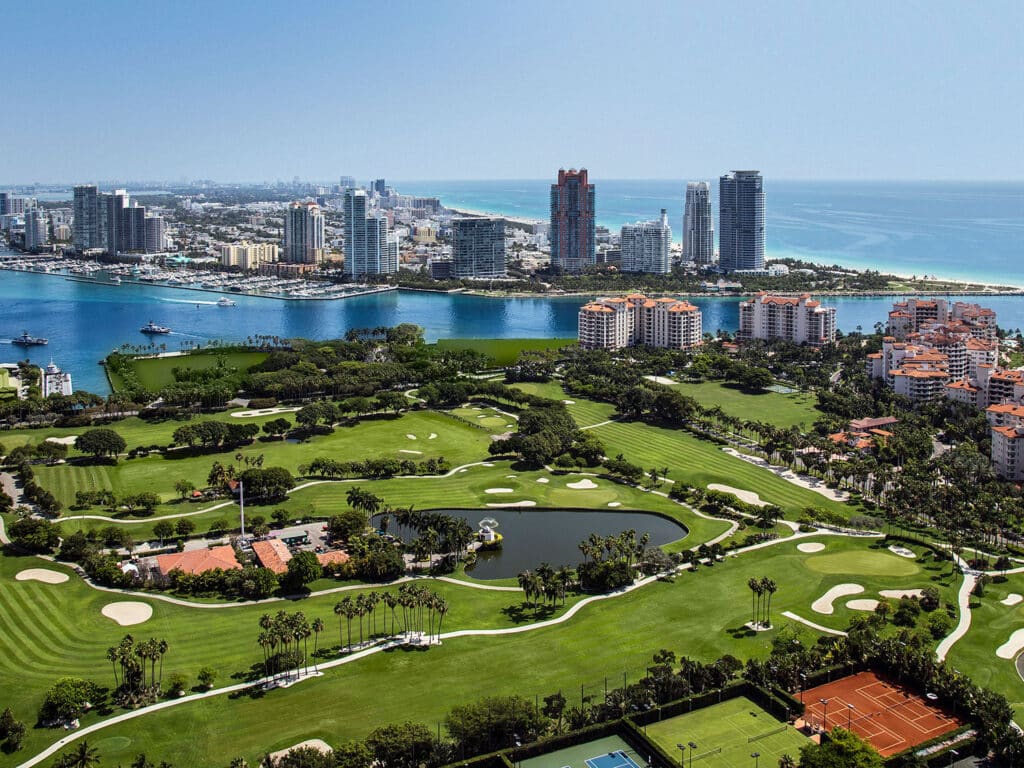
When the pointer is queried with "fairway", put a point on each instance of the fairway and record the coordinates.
(504, 351)
(789, 410)
(727, 734)
(155, 373)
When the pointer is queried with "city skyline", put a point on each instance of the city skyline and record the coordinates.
(837, 95)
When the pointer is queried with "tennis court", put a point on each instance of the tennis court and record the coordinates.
(726, 735)
(609, 752)
(890, 718)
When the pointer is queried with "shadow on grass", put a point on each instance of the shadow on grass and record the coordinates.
(521, 613)
(738, 633)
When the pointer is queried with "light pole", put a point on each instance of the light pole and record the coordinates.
(952, 753)
(682, 754)
(756, 756)
(824, 719)
(693, 746)
(803, 684)
(849, 715)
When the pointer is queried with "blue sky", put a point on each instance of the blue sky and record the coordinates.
(463, 90)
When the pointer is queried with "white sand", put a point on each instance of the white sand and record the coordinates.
(463, 470)
(810, 546)
(659, 379)
(127, 612)
(543, 480)
(262, 412)
(569, 402)
(482, 416)
(515, 504)
(486, 464)
(405, 450)
(69, 440)
(824, 603)
(432, 436)
(614, 503)
(411, 437)
(511, 477)
(1011, 647)
(748, 497)
(901, 551)
(318, 744)
(898, 593)
(42, 574)
(585, 484)
(1012, 599)
(499, 490)
(862, 605)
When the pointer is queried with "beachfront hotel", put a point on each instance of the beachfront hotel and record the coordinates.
(798, 319)
(572, 221)
(614, 323)
(698, 225)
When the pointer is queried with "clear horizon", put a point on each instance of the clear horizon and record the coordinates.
(461, 90)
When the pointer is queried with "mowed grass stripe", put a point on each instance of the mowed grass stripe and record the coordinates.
(33, 644)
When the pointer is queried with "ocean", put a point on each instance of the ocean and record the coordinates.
(957, 230)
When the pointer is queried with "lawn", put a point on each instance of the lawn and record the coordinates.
(372, 437)
(486, 417)
(504, 352)
(783, 411)
(700, 463)
(586, 413)
(737, 727)
(700, 615)
(155, 373)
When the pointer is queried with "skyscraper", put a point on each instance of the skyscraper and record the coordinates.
(303, 234)
(156, 231)
(36, 230)
(86, 224)
(572, 221)
(367, 251)
(112, 208)
(698, 225)
(380, 187)
(478, 247)
(741, 221)
(347, 182)
(645, 245)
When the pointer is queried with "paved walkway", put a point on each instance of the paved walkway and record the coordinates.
(804, 481)
(964, 604)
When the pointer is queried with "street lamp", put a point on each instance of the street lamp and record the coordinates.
(803, 684)
(952, 753)
(682, 754)
(849, 715)
(824, 719)
(693, 746)
(756, 756)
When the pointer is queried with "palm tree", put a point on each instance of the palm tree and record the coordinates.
(84, 756)
(317, 627)
(755, 590)
(769, 586)
(442, 610)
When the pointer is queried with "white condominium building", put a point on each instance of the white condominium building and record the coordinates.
(801, 320)
(54, 381)
(613, 323)
(303, 234)
(645, 246)
(698, 224)
(248, 256)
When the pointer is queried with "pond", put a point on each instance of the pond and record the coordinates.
(535, 536)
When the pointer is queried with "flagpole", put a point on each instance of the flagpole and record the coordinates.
(241, 505)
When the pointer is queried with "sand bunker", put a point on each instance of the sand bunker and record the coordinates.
(515, 504)
(511, 477)
(614, 503)
(810, 546)
(43, 575)
(896, 594)
(499, 490)
(585, 484)
(432, 436)
(862, 605)
(318, 744)
(262, 412)
(486, 464)
(411, 437)
(128, 612)
(1012, 599)
(69, 440)
(543, 480)
(463, 470)
(1011, 647)
(902, 551)
(660, 380)
(569, 402)
(406, 450)
(824, 603)
(748, 497)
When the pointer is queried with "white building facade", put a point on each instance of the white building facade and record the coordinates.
(645, 246)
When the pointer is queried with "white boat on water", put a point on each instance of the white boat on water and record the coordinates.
(224, 301)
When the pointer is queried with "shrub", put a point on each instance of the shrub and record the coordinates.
(939, 624)
(176, 683)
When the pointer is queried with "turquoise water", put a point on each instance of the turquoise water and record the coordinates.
(85, 321)
(958, 230)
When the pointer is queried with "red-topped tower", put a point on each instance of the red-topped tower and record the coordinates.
(572, 221)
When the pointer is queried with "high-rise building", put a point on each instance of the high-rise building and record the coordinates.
(5, 203)
(54, 381)
(248, 256)
(86, 225)
(114, 205)
(645, 245)
(698, 225)
(741, 221)
(13, 205)
(380, 187)
(303, 234)
(635, 319)
(156, 232)
(347, 182)
(36, 229)
(366, 238)
(478, 247)
(572, 221)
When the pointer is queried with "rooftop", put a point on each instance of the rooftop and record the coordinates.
(199, 560)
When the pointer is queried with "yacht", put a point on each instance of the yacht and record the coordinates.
(153, 328)
(115, 280)
(29, 341)
(224, 301)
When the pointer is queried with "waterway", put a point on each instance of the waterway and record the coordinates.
(86, 321)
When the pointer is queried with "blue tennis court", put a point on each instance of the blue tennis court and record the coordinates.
(612, 760)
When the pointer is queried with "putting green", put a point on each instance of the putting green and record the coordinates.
(868, 563)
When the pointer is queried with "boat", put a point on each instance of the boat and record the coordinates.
(224, 301)
(115, 280)
(487, 536)
(153, 328)
(29, 341)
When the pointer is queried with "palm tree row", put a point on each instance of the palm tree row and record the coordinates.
(760, 613)
(546, 582)
(131, 658)
(279, 639)
(419, 609)
(625, 547)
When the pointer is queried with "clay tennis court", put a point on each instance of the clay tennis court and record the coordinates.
(889, 718)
